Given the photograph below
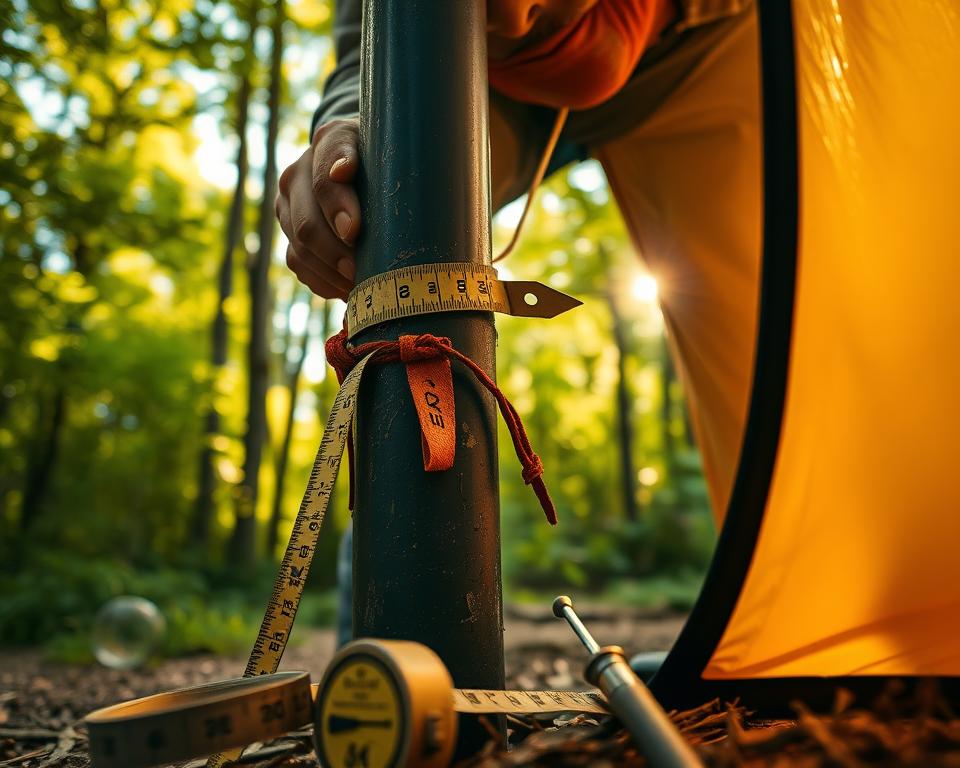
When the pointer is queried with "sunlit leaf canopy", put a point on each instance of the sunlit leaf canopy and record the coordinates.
(118, 154)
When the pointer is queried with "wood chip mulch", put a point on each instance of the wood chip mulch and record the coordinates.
(724, 736)
(897, 729)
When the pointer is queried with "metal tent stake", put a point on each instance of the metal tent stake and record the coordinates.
(427, 545)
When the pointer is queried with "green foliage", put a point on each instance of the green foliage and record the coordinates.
(52, 603)
(562, 376)
(111, 238)
(674, 592)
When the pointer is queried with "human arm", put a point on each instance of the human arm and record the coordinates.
(317, 205)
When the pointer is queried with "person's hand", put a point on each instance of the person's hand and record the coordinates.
(319, 212)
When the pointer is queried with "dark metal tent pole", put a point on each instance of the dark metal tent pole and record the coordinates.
(427, 545)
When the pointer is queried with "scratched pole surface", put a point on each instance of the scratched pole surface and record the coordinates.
(427, 545)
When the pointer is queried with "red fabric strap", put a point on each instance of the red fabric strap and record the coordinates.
(427, 349)
(431, 384)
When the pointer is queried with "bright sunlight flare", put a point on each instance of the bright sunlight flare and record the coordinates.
(644, 288)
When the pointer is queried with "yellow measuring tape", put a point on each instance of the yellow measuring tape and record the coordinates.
(402, 293)
(288, 586)
(452, 287)
(196, 721)
(381, 703)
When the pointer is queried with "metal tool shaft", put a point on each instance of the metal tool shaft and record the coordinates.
(563, 609)
(629, 699)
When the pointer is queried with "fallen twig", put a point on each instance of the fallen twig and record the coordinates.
(29, 734)
(26, 756)
(67, 738)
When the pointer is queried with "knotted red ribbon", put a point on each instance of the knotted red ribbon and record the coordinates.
(427, 348)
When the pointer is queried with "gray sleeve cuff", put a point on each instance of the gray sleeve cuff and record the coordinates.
(341, 92)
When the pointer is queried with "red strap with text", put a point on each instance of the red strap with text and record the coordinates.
(431, 384)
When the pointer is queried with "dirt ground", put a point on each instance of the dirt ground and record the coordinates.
(42, 704)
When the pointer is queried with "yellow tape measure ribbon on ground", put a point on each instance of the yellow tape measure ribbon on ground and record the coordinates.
(448, 287)
(473, 701)
(179, 725)
(378, 695)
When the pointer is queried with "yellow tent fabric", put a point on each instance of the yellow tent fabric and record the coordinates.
(688, 182)
(856, 569)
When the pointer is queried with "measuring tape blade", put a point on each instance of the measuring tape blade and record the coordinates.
(282, 607)
(448, 287)
(220, 717)
(474, 701)
(478, 701)
(183, 724)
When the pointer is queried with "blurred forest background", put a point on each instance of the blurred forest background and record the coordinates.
(162, 381)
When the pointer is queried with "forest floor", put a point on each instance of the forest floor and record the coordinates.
(42, 706)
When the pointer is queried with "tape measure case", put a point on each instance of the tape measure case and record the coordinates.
(385, 703)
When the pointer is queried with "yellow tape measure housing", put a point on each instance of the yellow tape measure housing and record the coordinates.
(385, 703)
(449, 287)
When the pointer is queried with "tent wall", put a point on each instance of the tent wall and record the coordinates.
(856, 571)
(837, 561)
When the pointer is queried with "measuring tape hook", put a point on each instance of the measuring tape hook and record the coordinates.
(448, 287)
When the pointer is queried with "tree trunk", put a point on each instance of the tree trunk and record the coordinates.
(42, 461)
(283, 454)
(203, 511)
(668, 376)
(628, 473)
(243, 541)
(40, 469)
